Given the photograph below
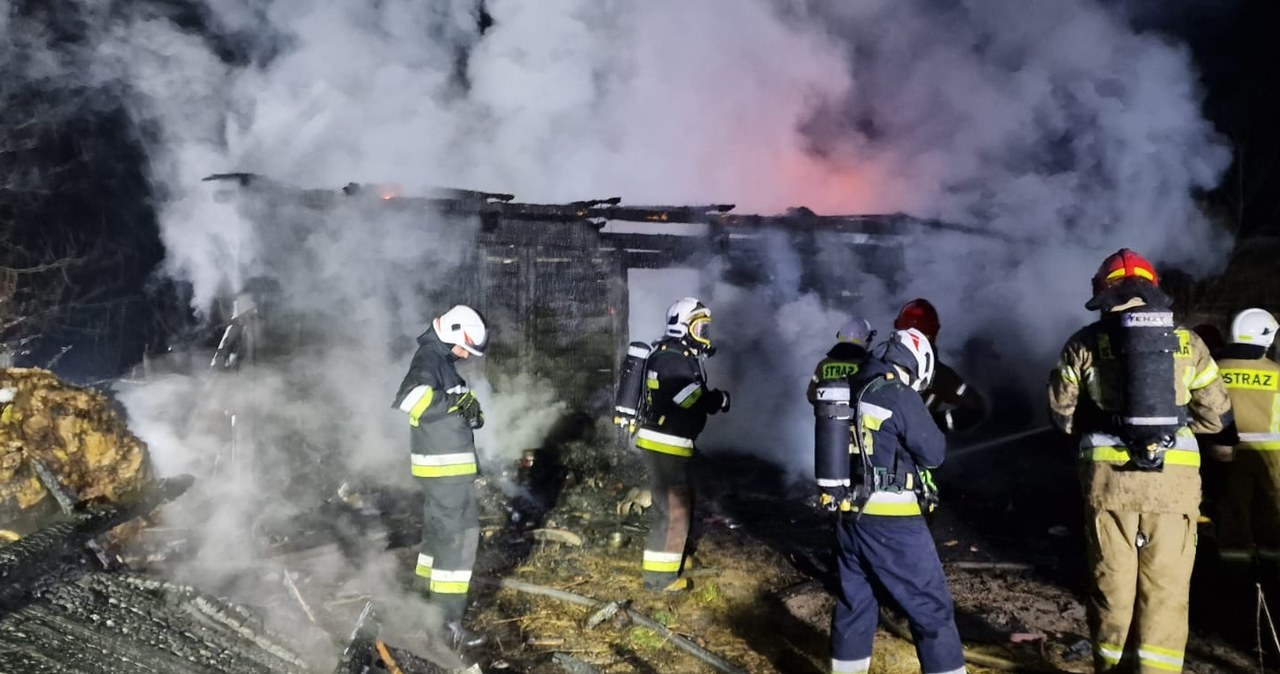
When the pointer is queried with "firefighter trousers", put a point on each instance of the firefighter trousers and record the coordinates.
(896, 555)
(450, 537)
(669, 518)
(1141, 564)
(1249, 515)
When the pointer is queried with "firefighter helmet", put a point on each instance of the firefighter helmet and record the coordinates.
(463, 326)
(919, 314)
(689, 319)
(1121, 265)
(857, 332)
(911, 351)
(1255, 327)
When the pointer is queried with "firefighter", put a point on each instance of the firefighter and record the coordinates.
(844, 358)
(1134, 387)
(882, 487)
(954, 405)
(677, 402)
(1249, 521)
(443, 413)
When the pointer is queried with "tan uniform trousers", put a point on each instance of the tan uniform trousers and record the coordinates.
(1142, 577)
(1249, 515)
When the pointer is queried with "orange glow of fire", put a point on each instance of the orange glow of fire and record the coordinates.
(389, 192)
(831, 187)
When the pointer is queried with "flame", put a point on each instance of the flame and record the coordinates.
(390, 191)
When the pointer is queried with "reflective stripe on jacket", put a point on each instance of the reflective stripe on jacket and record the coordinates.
(1254, 387)
(441, 443)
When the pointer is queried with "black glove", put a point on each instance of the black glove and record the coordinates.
(928, 492)
(724, 401)
(466, 405)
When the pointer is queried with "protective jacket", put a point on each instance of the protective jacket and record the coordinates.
(677, 400)
(900, 440)
(1089, 366)
(1250, 510)
(954, 405)
(843, 360)
(441, 444)
(1254, 387)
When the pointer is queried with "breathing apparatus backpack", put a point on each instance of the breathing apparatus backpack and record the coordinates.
(1150, 416)
(628, 401)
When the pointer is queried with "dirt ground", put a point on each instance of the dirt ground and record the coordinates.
(760, 597)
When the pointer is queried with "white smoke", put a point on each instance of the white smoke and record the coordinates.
(1056, 127)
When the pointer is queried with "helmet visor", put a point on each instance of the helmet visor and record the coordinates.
(700, 330)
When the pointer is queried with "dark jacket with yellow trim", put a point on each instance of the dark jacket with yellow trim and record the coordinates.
(674, 369)
(841, 362)
(440, 429)
(1085, 395)
(901, 445)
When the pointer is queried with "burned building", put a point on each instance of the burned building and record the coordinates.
(554, 278)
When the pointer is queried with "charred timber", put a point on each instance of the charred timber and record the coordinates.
(53, 553)
(112, 622)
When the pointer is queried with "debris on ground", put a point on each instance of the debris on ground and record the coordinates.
(75, 432)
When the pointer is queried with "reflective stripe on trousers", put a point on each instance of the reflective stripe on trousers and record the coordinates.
(450, 581)
(850, 666)
(443, 465)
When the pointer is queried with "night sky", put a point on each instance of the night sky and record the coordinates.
(76, 185)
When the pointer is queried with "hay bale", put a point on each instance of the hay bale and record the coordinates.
(75, 432)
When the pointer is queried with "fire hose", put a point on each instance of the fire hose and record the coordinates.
(959, 452)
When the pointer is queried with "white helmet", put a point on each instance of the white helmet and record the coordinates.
(911, 351)
(689, 317)
(462, 326)
(1254, 327)
(858, 332)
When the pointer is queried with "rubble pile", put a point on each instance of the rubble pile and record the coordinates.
(75, 432)
(105, 620)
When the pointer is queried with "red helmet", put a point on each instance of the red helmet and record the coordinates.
(918, 314)
(1121, 265)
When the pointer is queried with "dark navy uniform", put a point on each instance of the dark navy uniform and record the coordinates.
(885, 540)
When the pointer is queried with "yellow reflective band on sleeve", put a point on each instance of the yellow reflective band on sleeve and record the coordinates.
(444, 465)
(661, 562)
(1262, 442)
(424, 402)
(1068, 374)
(450, 582)
(423, 569)
(1206, 376)
(689, 395)
(1172, 457)
(1250, 380)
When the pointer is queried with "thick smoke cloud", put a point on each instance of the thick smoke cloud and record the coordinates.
(1057, 128)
